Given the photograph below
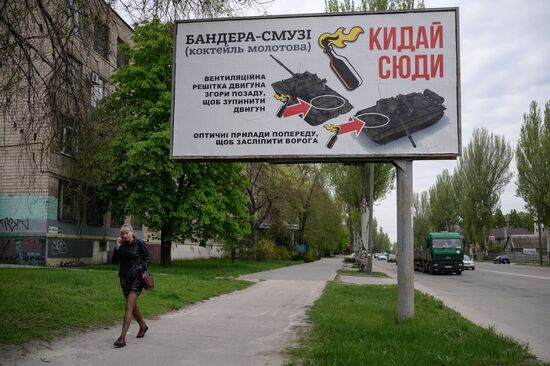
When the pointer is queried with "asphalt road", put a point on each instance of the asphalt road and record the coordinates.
(514, 299)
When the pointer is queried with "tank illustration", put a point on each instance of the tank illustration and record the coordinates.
(395, 117)
(325, 102)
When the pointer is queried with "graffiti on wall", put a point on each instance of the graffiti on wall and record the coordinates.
(11, 225)
(23, 251)
(58, 246)
(70, 248)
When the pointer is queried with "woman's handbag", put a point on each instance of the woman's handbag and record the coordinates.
(147, 281)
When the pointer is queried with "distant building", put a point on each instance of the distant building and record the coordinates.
(47, 216)
(523, 243)
(500, 236)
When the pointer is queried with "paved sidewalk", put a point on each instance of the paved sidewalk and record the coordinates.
(252, 327)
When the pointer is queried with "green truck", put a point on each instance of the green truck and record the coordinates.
(442, 252)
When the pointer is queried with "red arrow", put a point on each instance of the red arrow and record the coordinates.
(300, 108)
(355, 125)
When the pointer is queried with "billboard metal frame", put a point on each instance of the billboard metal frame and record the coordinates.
(322, 158)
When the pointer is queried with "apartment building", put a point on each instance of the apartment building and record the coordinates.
(60, 56)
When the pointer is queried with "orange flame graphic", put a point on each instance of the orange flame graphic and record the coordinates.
(282, 97)
(339, 37)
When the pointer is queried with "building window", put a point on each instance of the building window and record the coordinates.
(120, 58)
(99, 89)
(67, 201)
(94, 208)
(76, 15)
(101, 38)
(116, 218)
(69, 138)
(73, 76)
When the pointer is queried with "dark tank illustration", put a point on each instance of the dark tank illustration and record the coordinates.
(325, 102)
(395, 117)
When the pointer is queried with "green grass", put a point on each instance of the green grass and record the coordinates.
(41, 303)
(350, 272)
(357, 325)
(208, 268)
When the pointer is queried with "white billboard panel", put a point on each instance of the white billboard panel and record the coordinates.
(376, 86)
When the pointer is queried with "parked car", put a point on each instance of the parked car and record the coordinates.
(468, 263)
(392, 258)
(382, 257)
(349, 258)
(501, 259)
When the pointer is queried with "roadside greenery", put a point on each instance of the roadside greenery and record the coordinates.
(357, 325)
(209, 268)
(351, 272)
(42, 303)
(482, 173)
(470, 196)
(292, 204)
(129, 156)
(533, 162)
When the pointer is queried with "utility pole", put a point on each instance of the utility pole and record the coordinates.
(405, 275)
(540, 240)
(363, 258)
(371, 207)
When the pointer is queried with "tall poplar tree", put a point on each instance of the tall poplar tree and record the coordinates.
(482, 174)
(444, 201)
(421, 222)
(533, 164)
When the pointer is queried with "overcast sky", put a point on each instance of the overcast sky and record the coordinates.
(504, 53)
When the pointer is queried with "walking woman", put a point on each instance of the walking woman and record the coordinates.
(133, 256)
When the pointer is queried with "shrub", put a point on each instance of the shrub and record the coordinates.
(266, 250)
(310, 256)
(283, 253)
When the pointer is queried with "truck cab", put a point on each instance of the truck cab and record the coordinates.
(442, 252)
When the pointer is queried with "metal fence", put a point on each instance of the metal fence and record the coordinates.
(519, 257)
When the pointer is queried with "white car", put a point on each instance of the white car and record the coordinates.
(468, 263)
(382, 257)
(349, 258)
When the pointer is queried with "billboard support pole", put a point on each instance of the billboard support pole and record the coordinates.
(405, 275)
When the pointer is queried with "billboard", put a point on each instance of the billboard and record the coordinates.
(340, 87)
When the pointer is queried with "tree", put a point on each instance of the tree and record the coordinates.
(186, 201)
(444, 203)
(482, 173)
(295, 194)
(380, 239)
(499, 221)
(520, 220)
(421, 223)
(264, 192)
(366, 204)
(42, 82)
(533, 164)
(42, 88)
(170, 10)
(346, 180)
(324, 231)
(335, 6)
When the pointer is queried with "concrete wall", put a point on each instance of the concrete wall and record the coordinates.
(194, 251)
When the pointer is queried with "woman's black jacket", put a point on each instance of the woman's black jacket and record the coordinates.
(133, 257)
